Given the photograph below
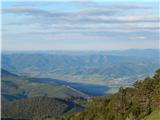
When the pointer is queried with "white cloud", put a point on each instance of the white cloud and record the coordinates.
(95, 23)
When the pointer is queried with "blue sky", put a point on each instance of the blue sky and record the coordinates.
(80, 25)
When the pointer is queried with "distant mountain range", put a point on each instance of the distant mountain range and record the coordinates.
(107, 68)
(129, 52)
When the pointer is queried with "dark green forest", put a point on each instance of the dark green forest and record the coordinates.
(38, 108)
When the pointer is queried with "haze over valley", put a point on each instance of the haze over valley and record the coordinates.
(108, 69)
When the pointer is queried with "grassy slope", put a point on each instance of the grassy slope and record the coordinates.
(16, 87)
(155, 115)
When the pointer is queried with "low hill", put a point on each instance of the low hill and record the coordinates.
(37, 107)
(16, 87)
(142, 102)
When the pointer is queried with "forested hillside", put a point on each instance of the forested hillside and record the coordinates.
(38, 108)
(139, 103)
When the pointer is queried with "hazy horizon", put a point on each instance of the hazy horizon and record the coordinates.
(77, 51)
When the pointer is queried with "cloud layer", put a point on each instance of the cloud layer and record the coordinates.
(71, 24)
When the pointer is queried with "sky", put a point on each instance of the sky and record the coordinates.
(80, 25)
